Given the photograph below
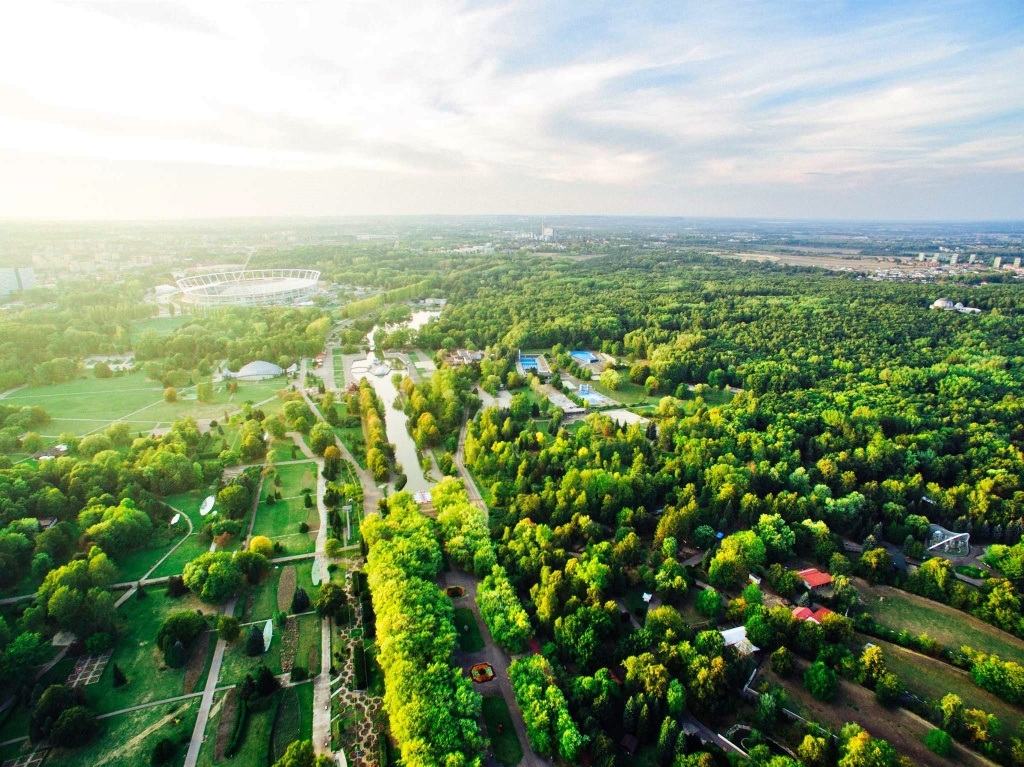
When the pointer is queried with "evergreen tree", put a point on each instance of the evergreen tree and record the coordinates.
(120, 680)
(667, 741)
(254, 642)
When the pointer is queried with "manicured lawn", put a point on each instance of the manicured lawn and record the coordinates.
(135, 564)
(255, 748)
(149, 679)
(952, 628)
(306, 710)
(283, 450)
(501, 731)
(89, 404)
(287, 723)
(127, 740)
(351, 437)
(470, 639)
(295, 477)
(307, 653)
(280, 521)
(931, 679)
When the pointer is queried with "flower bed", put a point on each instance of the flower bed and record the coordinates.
(482, 672)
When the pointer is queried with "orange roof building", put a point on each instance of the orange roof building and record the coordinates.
(814, 579)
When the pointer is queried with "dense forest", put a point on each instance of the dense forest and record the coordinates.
(790, 418)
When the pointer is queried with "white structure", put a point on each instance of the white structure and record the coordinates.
(737, 638)
(256, 371)
(249, 287)
(947, 305)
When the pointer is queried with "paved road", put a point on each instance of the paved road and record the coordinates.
(207, 702)
(327, 369)
(500, 660)
(709, 735)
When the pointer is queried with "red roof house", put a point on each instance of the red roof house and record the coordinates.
(814, 579)
(807, 614)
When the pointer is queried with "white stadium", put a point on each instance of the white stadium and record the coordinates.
(249, 287)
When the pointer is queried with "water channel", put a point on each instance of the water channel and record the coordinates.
(395, 421)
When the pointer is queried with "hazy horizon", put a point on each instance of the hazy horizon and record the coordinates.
(162, 111)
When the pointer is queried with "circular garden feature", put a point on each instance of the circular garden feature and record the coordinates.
(481, 672)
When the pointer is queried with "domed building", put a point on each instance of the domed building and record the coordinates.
(258, 370)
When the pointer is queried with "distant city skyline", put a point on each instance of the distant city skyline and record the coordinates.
(113, 109)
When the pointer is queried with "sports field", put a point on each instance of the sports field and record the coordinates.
(88, 405)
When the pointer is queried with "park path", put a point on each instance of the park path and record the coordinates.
(322, 682)
(499, 659)
(199, 732)
(472, 491)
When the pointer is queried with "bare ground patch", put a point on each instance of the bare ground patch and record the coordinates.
(226, 723)
(289, 645)
(286, 588)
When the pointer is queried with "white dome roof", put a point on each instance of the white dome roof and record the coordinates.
(259, 368)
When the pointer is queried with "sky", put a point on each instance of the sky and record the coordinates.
(128, 109)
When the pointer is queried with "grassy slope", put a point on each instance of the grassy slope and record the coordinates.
(952, 628)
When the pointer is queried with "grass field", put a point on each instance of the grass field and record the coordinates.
(133, 565)
(237, 663)
(127, 740)
(187, 503)
(931, 679)
(470, 639)
(287, 723)
(952, 628)
(501, 731)
(89, 404)
(280, 521)
(140, 659)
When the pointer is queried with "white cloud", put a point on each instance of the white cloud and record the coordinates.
(444, 89)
